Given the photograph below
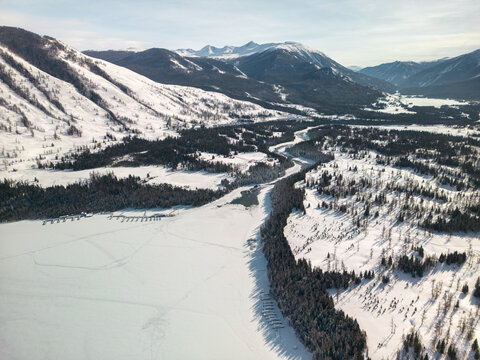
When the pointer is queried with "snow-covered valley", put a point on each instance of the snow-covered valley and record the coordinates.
(132, 286)
(191, 285)
(157, 206)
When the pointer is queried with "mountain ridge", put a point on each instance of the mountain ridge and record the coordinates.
(447, 77)
(55, 98)
(228, 51)
(340, 88)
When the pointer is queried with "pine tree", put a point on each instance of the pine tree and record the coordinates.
(476, 292)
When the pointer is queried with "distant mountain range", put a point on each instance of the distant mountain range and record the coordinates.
(226, 52)
(49, 87)
(457, 77)
(291, 73)
(273, 75)
(396, 72)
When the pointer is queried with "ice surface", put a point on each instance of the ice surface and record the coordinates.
(189, 286)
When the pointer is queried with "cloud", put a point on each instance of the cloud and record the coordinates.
(360, 32)
(72, 31)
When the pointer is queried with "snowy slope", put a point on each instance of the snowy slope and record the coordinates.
(330, 239)
(231, 52)
(460, 68)
(456, 77)
(43, 117)
(226, 52)
(293, 57)
(396, 72)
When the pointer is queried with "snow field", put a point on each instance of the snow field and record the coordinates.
(400, 104)
(189, 286)
(331, 240)
(436, 129)
(392, 104)
(241, 161)
(423, 101)
(150, 174)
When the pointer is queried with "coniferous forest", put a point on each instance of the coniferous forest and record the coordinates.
(101, 193)
(301, 292)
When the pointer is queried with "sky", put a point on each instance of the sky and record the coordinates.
(352, 32)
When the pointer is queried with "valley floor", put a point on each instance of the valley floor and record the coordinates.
(149, 174)
(191, 286)
(194, 285)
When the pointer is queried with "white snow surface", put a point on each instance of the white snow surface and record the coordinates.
(391, 104)
(190, 285)
(231, 52)
(331, 241)
(241, 161)
(423, 101)
(184, 287)
(402, 104)
(455, 130)
(148, 174)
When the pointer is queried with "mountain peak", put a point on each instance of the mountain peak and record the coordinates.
(250, 48)
(250, 44)
(294, 46)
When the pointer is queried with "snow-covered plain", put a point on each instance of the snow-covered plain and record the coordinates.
(330, 240)
(241, 161)
(148, 174)
(455, 130)
(391, 104)
(402, 104)
(411, 101)
(191, 286)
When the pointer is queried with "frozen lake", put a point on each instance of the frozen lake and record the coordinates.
(184, 287)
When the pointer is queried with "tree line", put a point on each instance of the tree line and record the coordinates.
(101, 193)
(301, 291)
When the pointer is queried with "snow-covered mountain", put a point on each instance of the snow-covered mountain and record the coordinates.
(291, 57)
(461, 68)
(54, 99)
(227, 52)
(168, 67)
(300, 51)
(396, 72)
(296, 51)
(272, 75)
(303, 52)
(457, 77)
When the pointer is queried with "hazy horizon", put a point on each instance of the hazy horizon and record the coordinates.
(354, 33)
